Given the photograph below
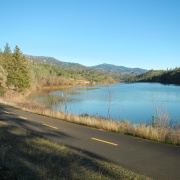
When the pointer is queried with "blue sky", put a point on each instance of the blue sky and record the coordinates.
(132, 33)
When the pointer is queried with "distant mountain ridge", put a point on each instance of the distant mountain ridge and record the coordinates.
(120, 69)
(104, 68)
(51, 60)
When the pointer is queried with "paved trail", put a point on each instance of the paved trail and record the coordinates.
(156, 160)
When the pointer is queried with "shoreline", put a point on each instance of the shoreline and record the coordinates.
(150, 132)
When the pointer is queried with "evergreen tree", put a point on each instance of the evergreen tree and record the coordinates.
(7, 56)
(7, 49)
(18, 73)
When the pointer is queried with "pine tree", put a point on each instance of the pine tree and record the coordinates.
(7, 49)
(7, 55)
(18, 73)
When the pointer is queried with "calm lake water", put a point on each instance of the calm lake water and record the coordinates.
(137, 102)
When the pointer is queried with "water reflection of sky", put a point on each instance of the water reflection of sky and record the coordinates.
(136, 102)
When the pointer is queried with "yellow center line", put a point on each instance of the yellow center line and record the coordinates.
(3, 123)
(50, 126)
(22, 117)
(7, 112)
(103, 141)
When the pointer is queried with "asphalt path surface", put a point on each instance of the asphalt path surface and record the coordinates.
(153, 159)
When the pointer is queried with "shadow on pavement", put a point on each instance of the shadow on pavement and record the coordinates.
(24, 155)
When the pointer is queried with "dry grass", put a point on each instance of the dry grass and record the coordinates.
(24, 155)
(157, 131)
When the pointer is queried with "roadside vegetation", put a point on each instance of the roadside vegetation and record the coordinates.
(25, 155)
(158, 129)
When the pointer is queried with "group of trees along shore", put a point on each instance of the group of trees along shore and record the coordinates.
(17, 72)
(15, 69)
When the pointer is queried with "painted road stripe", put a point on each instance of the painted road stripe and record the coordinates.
(50, 126)
(22, 117)
(7, 112)
(103, 141)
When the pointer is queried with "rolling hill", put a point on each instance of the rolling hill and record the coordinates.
(103, 68)
(51, 60)
(120, 69)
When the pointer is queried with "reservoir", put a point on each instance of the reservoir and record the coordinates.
(136, 102)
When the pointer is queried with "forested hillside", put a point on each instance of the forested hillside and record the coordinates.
(53, 61)
(120, 73)
(52, 75)
(120, 69)
(18, 73)
(161, 76)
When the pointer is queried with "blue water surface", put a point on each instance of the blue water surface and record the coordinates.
(137, 102)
